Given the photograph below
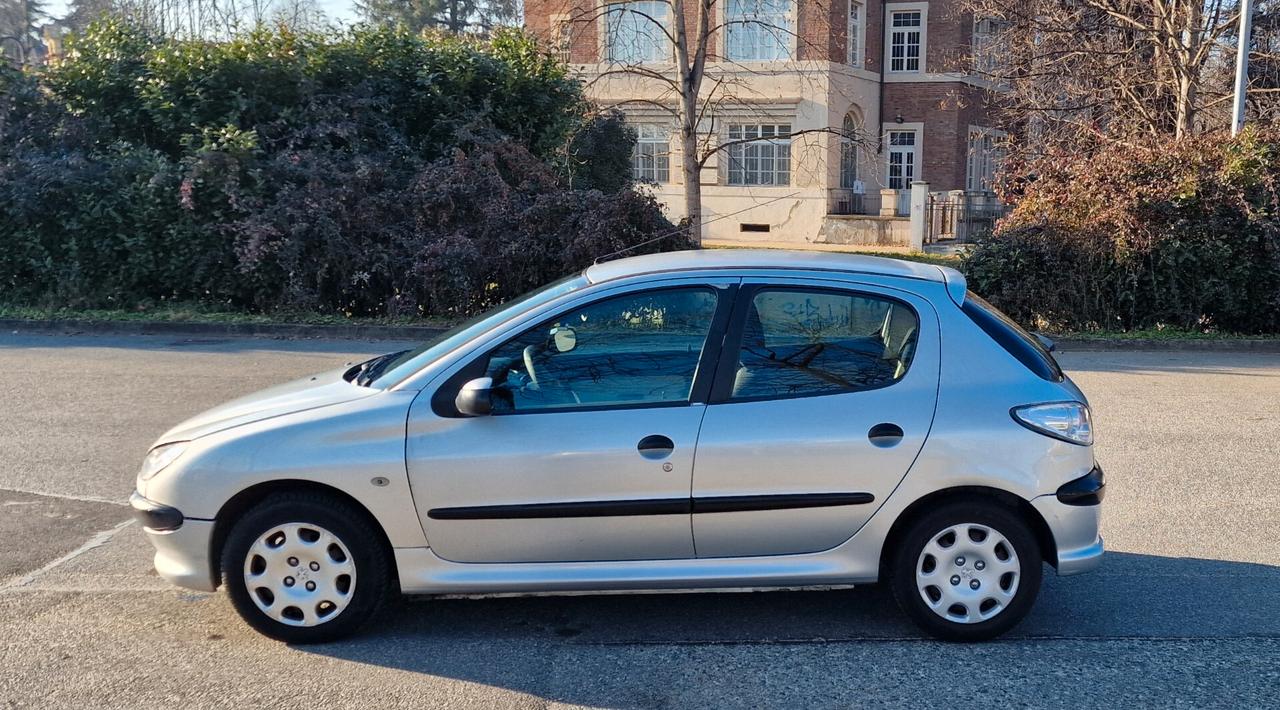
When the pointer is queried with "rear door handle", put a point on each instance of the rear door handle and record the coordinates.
(655, 447)
(885, 435)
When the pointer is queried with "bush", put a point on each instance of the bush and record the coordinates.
(450, 237)
(370, 173)
(599, 154)
(163, 93)
(1184, 236)
(102, 229)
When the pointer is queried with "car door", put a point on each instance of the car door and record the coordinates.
(588, 452)
(825, 395)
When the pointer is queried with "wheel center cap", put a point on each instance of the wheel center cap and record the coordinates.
(967, 573)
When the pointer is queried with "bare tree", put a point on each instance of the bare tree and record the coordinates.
(209, 19)
(454, 16)
(666, 56)
(1077, 73)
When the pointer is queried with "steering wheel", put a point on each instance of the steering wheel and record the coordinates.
(532, 353)
(529, 353)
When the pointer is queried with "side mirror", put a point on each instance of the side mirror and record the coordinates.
(473, 399)
(564, 338)
(1046, 342)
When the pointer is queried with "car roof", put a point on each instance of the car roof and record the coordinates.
(774, 259)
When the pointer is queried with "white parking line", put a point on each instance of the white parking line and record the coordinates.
(96, 541)
(65, 496)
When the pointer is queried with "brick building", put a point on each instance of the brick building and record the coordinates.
(795, 79)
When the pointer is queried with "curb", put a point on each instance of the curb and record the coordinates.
(302, 331)
(1223, 345)
(239, 330)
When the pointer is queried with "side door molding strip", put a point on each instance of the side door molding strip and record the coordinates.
(651, 506)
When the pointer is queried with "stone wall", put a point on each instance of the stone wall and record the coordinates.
(865, 230)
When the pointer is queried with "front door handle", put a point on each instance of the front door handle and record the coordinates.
(655, 447)
(885, 435)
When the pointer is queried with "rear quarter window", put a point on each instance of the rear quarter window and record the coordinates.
(1023, 346)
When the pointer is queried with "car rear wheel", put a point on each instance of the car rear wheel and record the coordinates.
(968, 571)
(305, 568)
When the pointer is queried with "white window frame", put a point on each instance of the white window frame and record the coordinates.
(562, 33)
(650, 44)
(981, 163)
(651, 158)
(856, 34)
(985, 30)
(891, 11)
(917, 151)
(767, 154)
(850, 170)
(759, 37)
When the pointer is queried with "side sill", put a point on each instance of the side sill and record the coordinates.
(423, 572)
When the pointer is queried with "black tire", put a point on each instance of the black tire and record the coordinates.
(902, 571)
(373, 583)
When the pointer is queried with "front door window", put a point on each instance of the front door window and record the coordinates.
(633, 350)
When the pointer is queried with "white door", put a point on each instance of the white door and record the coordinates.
(828, 396)
(902, 159)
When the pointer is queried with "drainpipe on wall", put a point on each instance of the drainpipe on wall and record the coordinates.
(884, 12)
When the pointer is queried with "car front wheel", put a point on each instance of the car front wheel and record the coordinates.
(968, 571)
(305, 568)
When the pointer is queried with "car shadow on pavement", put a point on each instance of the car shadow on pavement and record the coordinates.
(510, 642)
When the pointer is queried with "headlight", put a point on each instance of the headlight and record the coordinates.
(160, 457)
(1068, 421)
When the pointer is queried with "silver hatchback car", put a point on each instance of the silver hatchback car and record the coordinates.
(709, 419)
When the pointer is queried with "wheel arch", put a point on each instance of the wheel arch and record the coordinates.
(922, 506)
(238, 504)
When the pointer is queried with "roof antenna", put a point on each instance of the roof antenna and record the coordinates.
(624, 250)
(678, 230)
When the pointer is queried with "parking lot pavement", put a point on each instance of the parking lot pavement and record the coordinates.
(1184, 612)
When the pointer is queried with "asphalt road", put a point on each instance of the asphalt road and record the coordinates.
(1185, 612)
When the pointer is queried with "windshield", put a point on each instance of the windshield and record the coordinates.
(400, 365)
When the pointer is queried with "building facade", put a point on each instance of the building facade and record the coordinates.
(815, 116)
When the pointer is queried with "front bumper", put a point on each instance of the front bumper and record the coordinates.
(1074, 519)
(154, 516)
(182, 550)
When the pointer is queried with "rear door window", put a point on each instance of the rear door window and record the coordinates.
(800, 342)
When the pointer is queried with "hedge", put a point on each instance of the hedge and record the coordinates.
(372, 172)
(1185, 235)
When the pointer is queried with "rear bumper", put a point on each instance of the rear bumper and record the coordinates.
(182, 544)
(1080, 559)
(1074, 527)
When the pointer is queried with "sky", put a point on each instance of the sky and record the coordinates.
(341, 10)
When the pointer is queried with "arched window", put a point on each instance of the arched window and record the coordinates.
(849, 131)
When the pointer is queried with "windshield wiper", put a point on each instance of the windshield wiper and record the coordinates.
(373, 369)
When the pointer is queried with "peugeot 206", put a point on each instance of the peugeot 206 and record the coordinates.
(694, 420)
